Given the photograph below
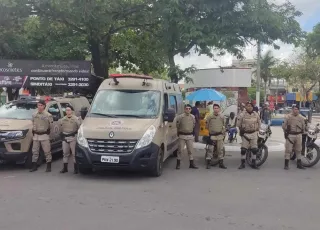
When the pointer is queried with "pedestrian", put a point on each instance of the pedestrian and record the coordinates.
(293, 127)
(195, 112)
(232, 126)
(265, 114)
(248, 124)
(41, 121)
(185, 126)
(69, 129)
(216, 127)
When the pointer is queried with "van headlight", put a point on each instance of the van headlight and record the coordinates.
(81, 139)
(147, 137)
(12, 135)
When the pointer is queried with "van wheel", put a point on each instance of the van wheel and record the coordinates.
(156, 170)
(85, 171)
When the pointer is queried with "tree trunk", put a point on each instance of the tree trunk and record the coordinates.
(172, 69)
(277, 91)
(265, 91)
(94, 48)
(107, 47)
(10, 94)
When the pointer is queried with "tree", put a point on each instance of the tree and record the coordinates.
(53, 40)
(302, 72)
(267, 61)
(252, 94)
(99, 21)
(177, 26)
(13, 15)
(138, 51)
(313, 41)
(209, 26)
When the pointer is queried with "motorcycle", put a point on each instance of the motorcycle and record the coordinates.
(262, 154)
(309, 157)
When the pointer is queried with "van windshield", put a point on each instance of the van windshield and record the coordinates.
(21, 111)
(126, 103)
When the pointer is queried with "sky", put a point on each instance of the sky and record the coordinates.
(310, 17)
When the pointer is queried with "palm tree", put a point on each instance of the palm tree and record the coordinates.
(267, 61)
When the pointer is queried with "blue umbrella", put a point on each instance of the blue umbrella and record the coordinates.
(206, 95)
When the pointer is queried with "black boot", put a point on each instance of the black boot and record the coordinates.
(286, 164)
(299, 165)
(48, 167)
(65, 168)
(34, 167)
(208, 164)
(178, 164)
(254, 164)
(221, 165)
(192, 165)
(75, 168)
(243, 164)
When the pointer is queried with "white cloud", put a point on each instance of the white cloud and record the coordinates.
(307, 7)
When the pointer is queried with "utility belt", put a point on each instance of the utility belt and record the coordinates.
(183, 133)
(215, 134)
(295, 133)
(69, 134)
(247, 132)
(41, 133)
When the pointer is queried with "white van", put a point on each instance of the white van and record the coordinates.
(129, 125)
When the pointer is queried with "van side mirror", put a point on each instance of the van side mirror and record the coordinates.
(169, 115)
(83, 112)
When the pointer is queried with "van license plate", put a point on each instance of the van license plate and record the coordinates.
(108, 159)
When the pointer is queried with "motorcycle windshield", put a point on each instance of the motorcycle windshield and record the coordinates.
(263, 127)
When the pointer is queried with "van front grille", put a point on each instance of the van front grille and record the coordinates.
(112, 146)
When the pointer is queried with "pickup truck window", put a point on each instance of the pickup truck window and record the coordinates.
(21, 111)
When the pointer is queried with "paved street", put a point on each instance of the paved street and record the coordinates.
(270, 198)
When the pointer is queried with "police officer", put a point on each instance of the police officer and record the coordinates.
(293, 127)
(185, 126)
(41, 121)
(69, 129)
(216, 127)
(248, 124)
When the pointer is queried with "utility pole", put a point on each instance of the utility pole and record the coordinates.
(258, 74)
(277, 91)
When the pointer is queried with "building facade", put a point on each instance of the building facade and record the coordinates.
(232, 82)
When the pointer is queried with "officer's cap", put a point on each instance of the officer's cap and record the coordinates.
(187, 105)
(70, 106)
(295, 106)
(249, 103)
(42, 102)
(216, 105)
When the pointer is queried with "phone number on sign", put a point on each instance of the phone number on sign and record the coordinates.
(78, 84)
(78, 79)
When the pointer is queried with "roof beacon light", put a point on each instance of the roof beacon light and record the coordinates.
(144, 77)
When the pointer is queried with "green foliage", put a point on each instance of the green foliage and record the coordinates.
(252, 94)
(141, 35)
(302, 72)
(209, 26)
(313, 41)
